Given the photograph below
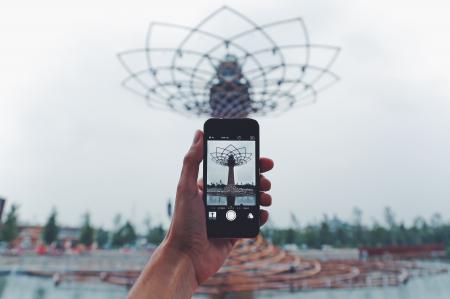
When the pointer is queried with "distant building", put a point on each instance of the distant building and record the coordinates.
(30, 236)
(404, 251)
(69, 236)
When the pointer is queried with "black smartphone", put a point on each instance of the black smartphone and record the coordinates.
(231, 177)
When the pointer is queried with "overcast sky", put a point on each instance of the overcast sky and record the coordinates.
(72, 138)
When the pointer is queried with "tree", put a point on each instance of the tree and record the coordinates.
(51, 229)
(311, 236)
(389, 217)
(358, 229)
(148, 222)
(357, 216)
(117, 221)
(378, 235)
(325, 235)
(10, 229)
(126, 235)
(87, 231)
(2, 205)
(436, 220)
(101, 237)
(290, 236)
(156, 235)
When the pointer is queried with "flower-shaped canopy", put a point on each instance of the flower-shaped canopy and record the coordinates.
(231, 156)
(178, 65)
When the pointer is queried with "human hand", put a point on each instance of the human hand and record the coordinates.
(187, 257)
(187, 233)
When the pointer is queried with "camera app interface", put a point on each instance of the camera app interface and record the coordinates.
(231, 183)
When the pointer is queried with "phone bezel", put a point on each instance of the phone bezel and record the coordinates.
(232, 127)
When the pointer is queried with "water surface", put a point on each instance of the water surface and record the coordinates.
(219, 200)
(22, 287)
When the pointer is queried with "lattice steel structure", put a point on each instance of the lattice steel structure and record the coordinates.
(231, 156)
(249, 71)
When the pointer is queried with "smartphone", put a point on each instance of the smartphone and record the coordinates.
(231, 177)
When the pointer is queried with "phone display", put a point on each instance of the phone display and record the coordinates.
(231, 177)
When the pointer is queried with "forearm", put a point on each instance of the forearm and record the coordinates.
(168, 274)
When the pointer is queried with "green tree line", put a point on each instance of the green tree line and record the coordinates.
(338, 233)
(331, 231)
(123, 234)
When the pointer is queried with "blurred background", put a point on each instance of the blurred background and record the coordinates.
(79, 151)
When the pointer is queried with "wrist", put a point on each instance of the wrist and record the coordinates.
(179, 261)
(168, 274)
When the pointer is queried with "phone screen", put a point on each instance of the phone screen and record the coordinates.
(231, 181)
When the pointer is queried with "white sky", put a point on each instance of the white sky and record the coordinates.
(71, 137)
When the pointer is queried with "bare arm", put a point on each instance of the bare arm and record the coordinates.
(168, 274)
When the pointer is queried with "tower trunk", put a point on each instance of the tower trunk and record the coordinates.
(230, 175)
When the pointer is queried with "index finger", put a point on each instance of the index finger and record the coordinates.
(265, 164)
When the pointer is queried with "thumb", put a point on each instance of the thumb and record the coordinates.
(191, 162)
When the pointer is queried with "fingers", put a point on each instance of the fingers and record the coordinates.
(265, 199)
(265, 164)
(265, 184)
(200, 184)
(189, 173)
(264, 216)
